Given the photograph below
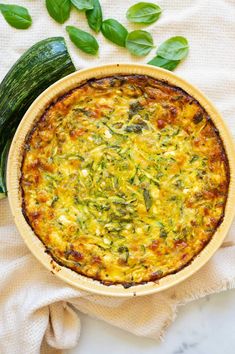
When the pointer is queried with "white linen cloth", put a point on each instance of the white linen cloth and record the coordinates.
(34, 304)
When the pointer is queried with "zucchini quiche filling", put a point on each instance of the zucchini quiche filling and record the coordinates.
(124, 179)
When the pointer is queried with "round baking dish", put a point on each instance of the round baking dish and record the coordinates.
(14, 175)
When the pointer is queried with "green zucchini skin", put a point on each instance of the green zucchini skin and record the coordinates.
(3, 165)
(39, 67)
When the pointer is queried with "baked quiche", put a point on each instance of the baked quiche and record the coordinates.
(124, 179)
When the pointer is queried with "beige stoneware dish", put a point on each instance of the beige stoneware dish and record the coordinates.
(14, 174)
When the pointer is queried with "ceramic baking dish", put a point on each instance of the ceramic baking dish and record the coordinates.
(14, 175)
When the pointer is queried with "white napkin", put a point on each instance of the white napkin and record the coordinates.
(35, 307)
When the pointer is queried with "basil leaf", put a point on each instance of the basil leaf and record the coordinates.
(17, 16)
(95, 17)
(164, 63)
(83, 4)
(139, 42)
(83, 40)
(144, 12)
(114, 31)
(59, 10)
(175, 48)
(147, 199)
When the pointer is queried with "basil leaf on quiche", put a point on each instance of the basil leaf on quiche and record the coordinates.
(139, 42)
(16, 16)
(83, 40)
(83, 4)
(95, 16)
(147, 199)
(59, 10)
(144, 13)
(164, 63)
(175, 48)
(114, 31)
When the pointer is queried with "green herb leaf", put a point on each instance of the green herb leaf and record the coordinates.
(164, 63)
(144, 12)
(194, 158)
(135, 107)
(134, 128)
(95, 17)
(83, 4)
(83, 40)
(124, 253)
(114, 31)
(17, 16)
(139, 42)
(160, 224)
(170, 53)
(175, 48)
(59, 10)
(147, 199)
(163, 233)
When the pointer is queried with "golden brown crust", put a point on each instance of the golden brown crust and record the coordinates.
(124, 179)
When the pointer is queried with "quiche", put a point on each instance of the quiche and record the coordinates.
(124, 179)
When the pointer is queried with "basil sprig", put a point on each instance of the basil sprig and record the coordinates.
(59, 10)
(83, 4)
(139, 42)
(114, 31)
(95, 17)
(17, 16)
(83, 40)
(170, 53)
(144, 13)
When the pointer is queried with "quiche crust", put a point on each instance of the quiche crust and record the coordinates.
(124, 179)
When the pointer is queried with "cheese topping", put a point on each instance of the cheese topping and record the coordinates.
(124, 179)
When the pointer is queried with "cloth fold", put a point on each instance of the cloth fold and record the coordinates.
(37, 309)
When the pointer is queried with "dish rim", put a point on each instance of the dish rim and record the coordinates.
(14, 173)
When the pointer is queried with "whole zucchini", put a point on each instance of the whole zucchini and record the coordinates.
(43, 64)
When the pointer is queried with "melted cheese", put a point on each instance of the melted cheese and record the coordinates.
(124, 179)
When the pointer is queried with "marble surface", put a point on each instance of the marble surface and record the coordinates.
(205, 326)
